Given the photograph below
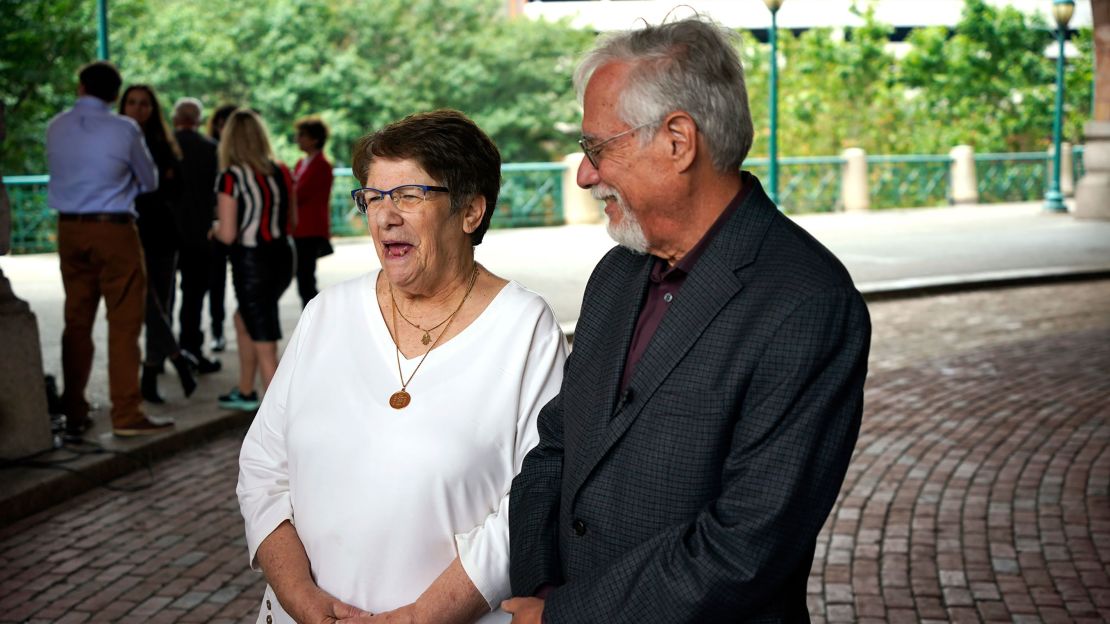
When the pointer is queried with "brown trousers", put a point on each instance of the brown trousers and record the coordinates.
(102, 260)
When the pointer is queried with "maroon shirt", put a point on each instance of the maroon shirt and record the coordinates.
(666, 282)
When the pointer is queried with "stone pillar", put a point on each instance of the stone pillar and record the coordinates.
(24, 417)
(1092, 194)
(578, 205)
(963, 185)
(1067, 169)
(854, 193)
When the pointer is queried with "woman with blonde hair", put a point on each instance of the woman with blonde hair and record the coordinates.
(256, 211)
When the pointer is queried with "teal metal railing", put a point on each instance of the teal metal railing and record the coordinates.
(806, 183)
(34, 224)
(908, 181)
(532, 193)
(1018, 176)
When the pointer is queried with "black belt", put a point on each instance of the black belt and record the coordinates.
(97, 217)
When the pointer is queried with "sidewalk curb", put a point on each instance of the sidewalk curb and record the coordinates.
(947, 284)
(94, 470)
(56, 487)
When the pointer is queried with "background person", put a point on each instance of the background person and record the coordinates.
(217, 264)
(406, 399)
(159, 237)
(312, 177)
(713, 398)
(257, 210)
(98, 164)
(193, 216)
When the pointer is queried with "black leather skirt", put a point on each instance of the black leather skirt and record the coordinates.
(260, 275)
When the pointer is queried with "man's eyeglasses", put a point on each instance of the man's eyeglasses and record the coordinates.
(593, 150)
(407, 197)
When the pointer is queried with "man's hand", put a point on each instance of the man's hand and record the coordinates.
(524, 610)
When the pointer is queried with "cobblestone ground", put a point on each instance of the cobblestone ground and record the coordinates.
(979, 489)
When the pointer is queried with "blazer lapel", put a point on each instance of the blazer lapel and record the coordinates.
(709, 287)
(612, 350)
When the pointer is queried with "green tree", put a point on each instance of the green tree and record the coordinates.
(362, 68)
(989, 84)
(42, 45)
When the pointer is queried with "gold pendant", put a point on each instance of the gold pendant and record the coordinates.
(400, 399)
(426, 338)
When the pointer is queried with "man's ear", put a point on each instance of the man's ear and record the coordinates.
(473, 213)
(681, 133)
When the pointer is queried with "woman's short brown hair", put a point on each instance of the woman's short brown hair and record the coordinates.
(450, 147)
(314, 127)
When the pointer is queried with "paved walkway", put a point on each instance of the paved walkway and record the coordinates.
(978, 491)
(976, 482)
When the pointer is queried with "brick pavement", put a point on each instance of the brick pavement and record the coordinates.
(979, 489)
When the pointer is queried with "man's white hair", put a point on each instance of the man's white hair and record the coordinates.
(188, 109)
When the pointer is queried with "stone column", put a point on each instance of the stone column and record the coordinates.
(964, 186)
(24, 417)
(1067, 169)
(1092, 194)
(578, 205)
(854, 193)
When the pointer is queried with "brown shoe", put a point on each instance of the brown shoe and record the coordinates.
(144, 427)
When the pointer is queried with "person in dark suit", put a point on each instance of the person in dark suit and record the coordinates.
(159, 238)
(193, 214)
(711, 403)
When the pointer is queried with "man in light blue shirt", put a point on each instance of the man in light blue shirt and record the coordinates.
(98, 163)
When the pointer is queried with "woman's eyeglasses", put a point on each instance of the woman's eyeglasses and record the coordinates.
(406, 198)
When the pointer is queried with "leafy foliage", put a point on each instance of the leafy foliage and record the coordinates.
(986, 82)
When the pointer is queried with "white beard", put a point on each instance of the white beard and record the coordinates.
(627, 233)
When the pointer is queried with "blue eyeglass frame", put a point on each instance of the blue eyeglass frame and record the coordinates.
(424, 187)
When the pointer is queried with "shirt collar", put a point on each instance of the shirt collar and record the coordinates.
(661, 271)
(91, 101)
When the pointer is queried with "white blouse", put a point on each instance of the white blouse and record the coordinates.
(384, 499)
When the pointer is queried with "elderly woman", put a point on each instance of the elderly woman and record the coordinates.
(375, 477)
(256, 211)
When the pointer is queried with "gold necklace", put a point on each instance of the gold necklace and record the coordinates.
(426, 338)
(401, 398)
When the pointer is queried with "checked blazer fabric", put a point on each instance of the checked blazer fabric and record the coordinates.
(697, 494)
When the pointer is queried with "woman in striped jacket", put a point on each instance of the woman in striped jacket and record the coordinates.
(256, 210)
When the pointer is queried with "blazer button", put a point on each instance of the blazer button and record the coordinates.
(579, 527)
(269, 619)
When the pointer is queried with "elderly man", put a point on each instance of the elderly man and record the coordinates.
(98, 164)
(711, 403)
(194, 214)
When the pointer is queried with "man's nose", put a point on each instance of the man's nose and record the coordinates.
(588, 176)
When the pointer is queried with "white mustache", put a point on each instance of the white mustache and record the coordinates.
(602, 192)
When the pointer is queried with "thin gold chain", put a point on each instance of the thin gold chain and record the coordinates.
(427, 332)
(396, 341)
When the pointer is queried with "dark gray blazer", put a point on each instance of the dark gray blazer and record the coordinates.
(697, 494)
(195, 210)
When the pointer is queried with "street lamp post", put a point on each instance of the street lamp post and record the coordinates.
(1062, 10)
(774, 5)
(102, 29)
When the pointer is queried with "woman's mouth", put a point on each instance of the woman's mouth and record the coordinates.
(396, 249)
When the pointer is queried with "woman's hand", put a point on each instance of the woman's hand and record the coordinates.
(402, 615)
(320, 607)
(283, 559)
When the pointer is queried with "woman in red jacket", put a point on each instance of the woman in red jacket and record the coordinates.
(312, 178)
